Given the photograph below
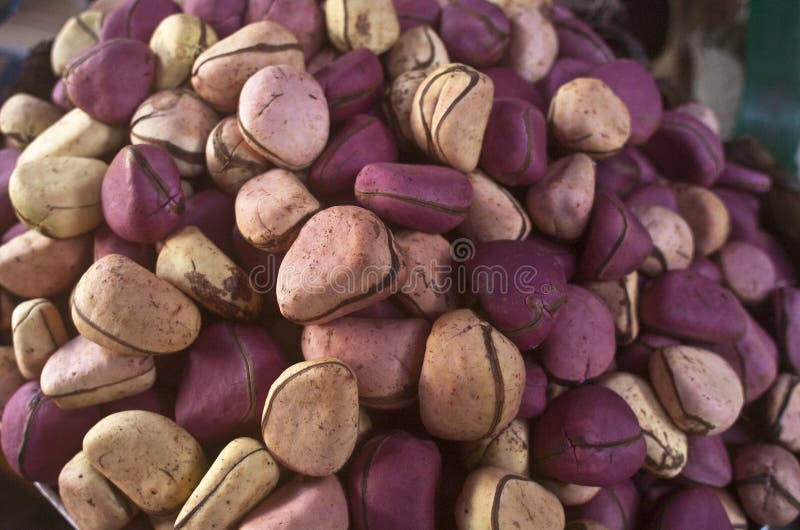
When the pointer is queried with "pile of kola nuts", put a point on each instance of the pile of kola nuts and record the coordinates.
(386, 265)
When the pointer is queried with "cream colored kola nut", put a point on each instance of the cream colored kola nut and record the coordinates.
(78, 34)
(398, 103)
(570, 494)
(242, 475)
(38, 331)
(507, 449)
(586, 116)
(427, 291)
(449, 115)
(176, 43)
(534, 41)
(371, 24)
(126, 308)
(419, 48)
(622, 299)
(472, 378)
(229, 158)
(706, 215)
(90, 499)
(195, 265)
(310, 420)
(494, 213)
(58, 196)
(494, 498)
(23, 117)
(150, 458)
(271, 208)
(667, 449)
(673, 243)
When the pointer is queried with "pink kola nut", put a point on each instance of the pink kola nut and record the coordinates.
(652, 195)
(695, 508)
(476, 32)
(617, 506)
(413, 13)
(579, 41)
(708, 462)
(767, 480)
(748, 271)
(744, 178)
(137, 19)
(107, 242)
(509, 84)
(534, 397)
(304, 18)
(353, 83)
(624, 171)
(225, 16)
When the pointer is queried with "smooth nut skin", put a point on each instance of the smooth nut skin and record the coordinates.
(386, 355)
(303, 503)
(732, 507)
(534, 42)
(10, 377)
(708, 463)
(767, 479)
(310, 420)
(352, 83)
(141, 194)
(229, 158)
(707, 217)
(220, 72)
(514, 147)
(75, 134)
(622, 299)
(29, 420)
(534, 397)
(667, 447)
(24, 117)
(449, 115)
(76, 35)
(398, 106)
(494, 213)
(786, 311)
(563, 71)
(194, 264)
(283, 115)
(694, 508)
(272, 207)
(176, 43)
(224, 16)
(136, 19)
(427, 291)
(588, 436)
(673, 243)
(38, 330)
(624, 172)
(35, 266)
(703, 114)
(322, 59)
(414, 13)
(58, 196)
(81, 373)
(744, 178)
(236, 364)
(508, 449)
(212, 211)
(616, 506)
(341, 238)
(782, 411)
(110, 79)
(304, 18)
(353, 24)
(141, 453)
(418, 48)
(578, 40)
(494, 498)
(707, 268)
(698, 388)
(560, 205)
(464, 396)
(509, 84)
(586, 116)
(126, 308)
(476, 32)
(242, 475)
(393, 481)
(570, 494)
(748, 271)
(180, 123)
(362, 140)
(90, 499)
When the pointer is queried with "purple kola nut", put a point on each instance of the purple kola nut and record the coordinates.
(514, 148)
(589, 436)
(509, 84)
(637, 88)
(582, 343)
(141, 194)
(684, 149)
(616, 506)
(706, 267)
(110, 79)
(432, 199)
(654, 194)
(522, 302)
(635, 357)
(38, 438)
(695, 508)
(151, 400)
(579, 41)
(107, 242)
(785, 273)
(352, 83)
(225, 16)
(748, 271)
(476, 32)
(8, 161)
(233, 366)
(767, 480)
(744, 178)
(708, 462)
(786, 315)
(744, 210)
(136, 19)
(701, 112)
(563, 71)
(59, 96)
(624, 171)
(362, 140)
(304, 18)
(689, 306)
(616, 243)
(564, 255)
(392, 483)
(417, 13)
(534, 397)
(211, 211)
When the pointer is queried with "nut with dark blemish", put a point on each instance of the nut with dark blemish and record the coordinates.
(38, 330)
(534, 42)
(419, 48)
(767, 480)
(622, 299)
(229, 158)
(398, 104)
(494, 213)
(370, 24)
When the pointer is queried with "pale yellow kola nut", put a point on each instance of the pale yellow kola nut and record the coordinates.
(150, 458)
(398, 103)
(472, 378)
(353, 24)
(242, 475)
(492, 498)
(507, 449)
(667, 449)
(128, 309)
(419, 48)
(586, 116)
(534, 42)
(622, 299)
(90, 499)
(176, 43)
(494, 213)
(38, 330)
(78, 34)
(58, 196)
(310, 420)
(23, 117)
(570, 494)
(75, 134)
(673, 243)
(10, 377)
(706, 215)
(449, 115)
